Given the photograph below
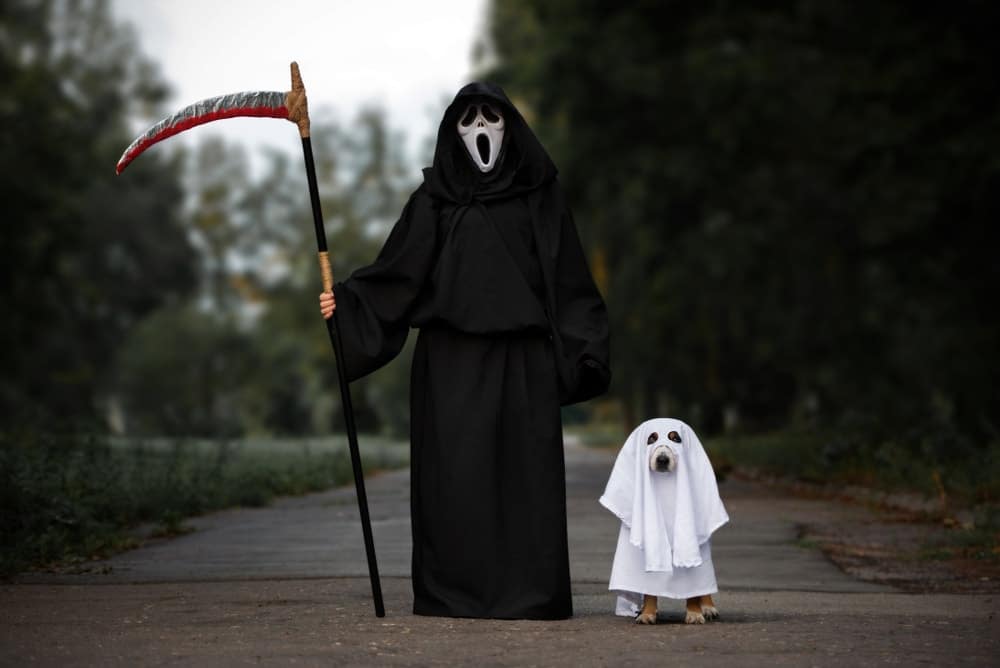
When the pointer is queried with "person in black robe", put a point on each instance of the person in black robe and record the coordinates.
(489, 267)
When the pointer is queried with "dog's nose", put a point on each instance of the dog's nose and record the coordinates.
(661, 460)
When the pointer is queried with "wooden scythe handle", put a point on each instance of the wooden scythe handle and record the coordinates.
(326, 271)
(298, 113)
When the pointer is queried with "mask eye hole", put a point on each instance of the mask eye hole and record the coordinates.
(674, 436)
(490, 114)
(652, 438)
(469, 116)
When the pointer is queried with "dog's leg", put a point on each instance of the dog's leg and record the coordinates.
(648, 613)
(708, 608)
(694, 614)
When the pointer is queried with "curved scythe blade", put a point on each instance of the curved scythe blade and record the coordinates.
(266, 104)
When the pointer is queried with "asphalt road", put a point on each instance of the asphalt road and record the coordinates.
(288, 584)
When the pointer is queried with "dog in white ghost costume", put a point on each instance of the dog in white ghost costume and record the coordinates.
(663, 490)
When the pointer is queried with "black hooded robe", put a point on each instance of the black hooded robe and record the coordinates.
(489, 267)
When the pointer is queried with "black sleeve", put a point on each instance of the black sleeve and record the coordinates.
(374, 304)
(581, 319)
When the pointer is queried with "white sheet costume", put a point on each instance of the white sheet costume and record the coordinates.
(668, 518)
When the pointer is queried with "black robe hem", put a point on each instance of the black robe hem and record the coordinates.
(430, 610)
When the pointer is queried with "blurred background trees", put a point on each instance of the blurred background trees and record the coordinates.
(80, 250)
(179, 299)
(790, 209)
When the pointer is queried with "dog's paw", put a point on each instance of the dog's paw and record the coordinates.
(645, 618)
(710, 612)
(694, 618)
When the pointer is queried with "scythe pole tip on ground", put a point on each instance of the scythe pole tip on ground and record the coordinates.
(293, 106)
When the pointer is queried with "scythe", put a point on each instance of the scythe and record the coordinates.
(293, 107)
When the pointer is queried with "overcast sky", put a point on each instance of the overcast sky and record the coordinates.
(407, 56)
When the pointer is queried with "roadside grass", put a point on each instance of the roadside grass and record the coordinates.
(808, 544)
(598, 435)
(978, 539)
(956, 478)
(67, 499)
(968, 485)
(963, 481)
(815, 457)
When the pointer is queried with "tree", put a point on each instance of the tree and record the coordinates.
(85, 255)
(248, 353)
(793, 202)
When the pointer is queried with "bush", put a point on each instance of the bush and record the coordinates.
(65, 498)
(932, 462)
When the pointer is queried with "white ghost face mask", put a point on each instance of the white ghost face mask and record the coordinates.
(481, 127)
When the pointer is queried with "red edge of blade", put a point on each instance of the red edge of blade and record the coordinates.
(214, 109)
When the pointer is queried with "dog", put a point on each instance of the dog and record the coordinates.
(663, 490)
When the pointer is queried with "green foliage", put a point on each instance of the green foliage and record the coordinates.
(251, 354)
(179, 298)
(69, 498)
(795, 205)
(823, 456)
(184, 372)
(979, 539)
(80, 248)
(597, 434)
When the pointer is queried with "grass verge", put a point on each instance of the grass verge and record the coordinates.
(70, 498)
(965, 486)
(969, 480)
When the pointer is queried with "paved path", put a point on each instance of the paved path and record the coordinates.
(288, 583)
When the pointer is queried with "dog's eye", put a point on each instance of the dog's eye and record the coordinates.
(652, 438)
(674, 436)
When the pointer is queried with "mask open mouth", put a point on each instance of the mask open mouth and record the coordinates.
(483, 146)
(481, 130)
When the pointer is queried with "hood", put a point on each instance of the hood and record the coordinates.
(523, 164)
